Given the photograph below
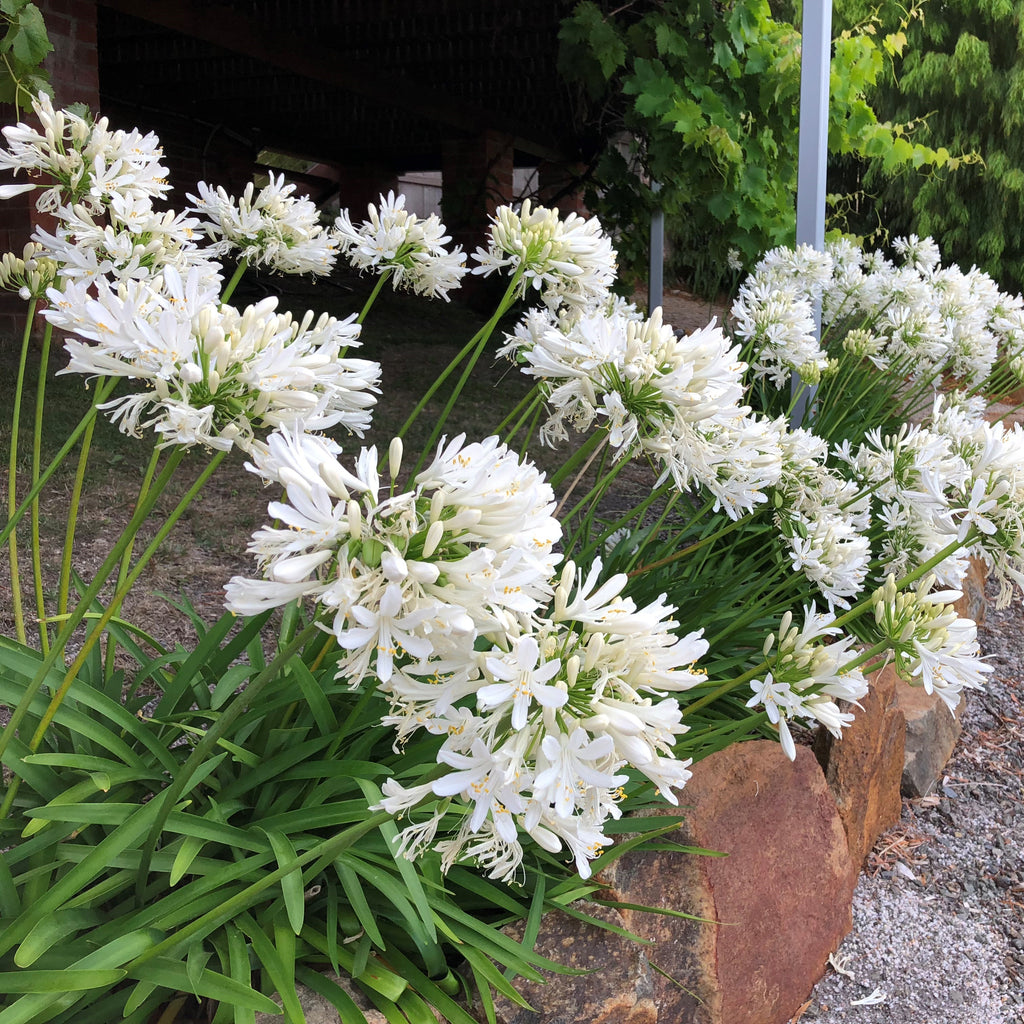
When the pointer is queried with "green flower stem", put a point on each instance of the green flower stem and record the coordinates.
(524, 410)
(37, 445)
(531, 430)
(598, 488)
(64, 588)
(855, 612)
(865, 656)
(911, 578)
(229, 288)
(633, 516)
(126, 558)
(12, 478)
(727, 687)
(103, 390)
(373, 295)
(476, 343)
(695, 546)
(598, 437)
(101, 623)
(82, 608)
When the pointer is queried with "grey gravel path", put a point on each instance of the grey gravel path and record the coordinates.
(938, 935)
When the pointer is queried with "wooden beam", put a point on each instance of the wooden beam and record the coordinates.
(302, 55)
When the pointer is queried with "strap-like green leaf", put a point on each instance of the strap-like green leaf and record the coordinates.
(291, 883)
(240, 969)
(10, 902)
(333, 993)
(313, 693)
(281, 975)
(376, 976)
(356, 898)
(173, 975)
(93, 866)
(58, 927)
(12, 982)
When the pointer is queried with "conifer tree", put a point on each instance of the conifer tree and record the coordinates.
(962, 80)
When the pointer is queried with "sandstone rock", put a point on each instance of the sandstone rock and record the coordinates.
(864, 769)
(972, 604)
(773, 908)
(620, 991)
(932, 732)
(319, 1010)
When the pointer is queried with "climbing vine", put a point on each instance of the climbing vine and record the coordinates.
(702, 97)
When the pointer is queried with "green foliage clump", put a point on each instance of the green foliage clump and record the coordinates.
(962, 80)
(703, 98)
(23, 48)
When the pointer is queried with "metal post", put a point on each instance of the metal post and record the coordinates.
(656, 268)
(815, 64)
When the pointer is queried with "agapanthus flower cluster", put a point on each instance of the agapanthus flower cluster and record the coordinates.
(560, 718)
(213, 374)
(774, 313)
(271, 228)
(409, 248)
(921, 319)
(985, 505)
(932, 646)
(130, 240)
(440, 596)
(410, 577)
(808, 670)
(954, 481)
(674, 400)
(568, 260)
(84, 161)
(29, 274)
(106, 184)
(822, 518)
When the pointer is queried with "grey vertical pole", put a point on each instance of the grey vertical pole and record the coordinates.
(815, 62)
(655, 271)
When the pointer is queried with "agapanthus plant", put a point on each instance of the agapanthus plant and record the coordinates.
(472, 663)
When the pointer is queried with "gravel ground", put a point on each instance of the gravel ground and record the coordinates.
(938, 917)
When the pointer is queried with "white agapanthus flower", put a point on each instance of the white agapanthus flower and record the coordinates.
(130, 240)
(87, 162)
(212, 374)
(778, 322)
(411, 578)
(917, 319)
(561, 714)
(673, 399)
(807, 673)
(409, 248)
(822, 517)
(567, 260)
(271, 228)
(30, 274)
(931, 645)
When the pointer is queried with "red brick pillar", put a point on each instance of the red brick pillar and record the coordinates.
(476, 178)
(73, 65)
(362, 184)
(561, 187)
